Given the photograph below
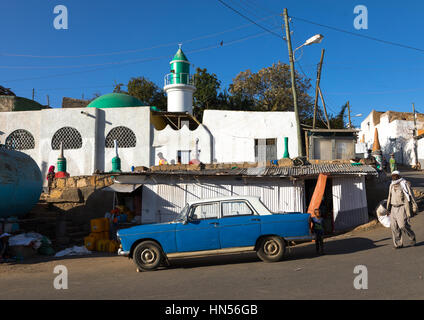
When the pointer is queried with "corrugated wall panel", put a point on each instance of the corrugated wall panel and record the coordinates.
(349, 202)
(161, 202)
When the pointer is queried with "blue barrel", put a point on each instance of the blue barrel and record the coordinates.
(20, 183)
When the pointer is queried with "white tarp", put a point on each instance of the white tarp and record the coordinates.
(27, 239)
(122, 187)
(74, 251)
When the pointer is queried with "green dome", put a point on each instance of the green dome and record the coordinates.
(115, 100)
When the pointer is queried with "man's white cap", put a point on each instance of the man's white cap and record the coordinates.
(395, 172)
(5, 235)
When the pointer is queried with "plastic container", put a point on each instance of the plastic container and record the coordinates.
(113, 246)
(102, 245)
(99, 225)
(97, 236)
(90, 243)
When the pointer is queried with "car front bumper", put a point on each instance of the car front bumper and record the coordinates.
(123, 253)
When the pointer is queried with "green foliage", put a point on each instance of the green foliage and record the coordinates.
(147, 92)
(270, 89)
(206, 94)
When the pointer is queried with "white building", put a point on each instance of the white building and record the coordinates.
(145, 136)
(395, 134)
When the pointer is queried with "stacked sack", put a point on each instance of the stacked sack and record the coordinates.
(98, 239)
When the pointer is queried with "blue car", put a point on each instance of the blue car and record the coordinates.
(215, 226)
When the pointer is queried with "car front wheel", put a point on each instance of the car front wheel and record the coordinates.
(271, 249)
(148, 256)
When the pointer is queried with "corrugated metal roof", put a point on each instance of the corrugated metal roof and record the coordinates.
(309, 170)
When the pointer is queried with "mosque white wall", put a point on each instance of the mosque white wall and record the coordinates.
(234, 133)
(27, 120)
(138, 120)
(169, 141)
(79, 161)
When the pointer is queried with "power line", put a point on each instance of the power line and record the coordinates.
(358, 35)
(252, 21)
(128, 62)
(138, 50)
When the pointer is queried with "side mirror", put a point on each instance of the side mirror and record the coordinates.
(184, 222)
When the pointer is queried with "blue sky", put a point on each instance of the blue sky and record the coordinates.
(112, 41)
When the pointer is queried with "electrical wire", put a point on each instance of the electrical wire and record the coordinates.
(358, 35)
(247, 18)
(168, 44)
(128, 62)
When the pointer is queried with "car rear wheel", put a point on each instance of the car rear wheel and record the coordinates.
(148, 256)
(271, 249)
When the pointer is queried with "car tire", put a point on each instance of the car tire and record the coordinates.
(148, 256)
(271, 249)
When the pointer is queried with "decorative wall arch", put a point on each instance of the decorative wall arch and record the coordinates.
(70, 137)
(124, 136)
(20, 140)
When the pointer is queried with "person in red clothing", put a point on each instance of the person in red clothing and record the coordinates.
(50, 177)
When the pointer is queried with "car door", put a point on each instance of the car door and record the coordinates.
(201, 232)
(240, 225)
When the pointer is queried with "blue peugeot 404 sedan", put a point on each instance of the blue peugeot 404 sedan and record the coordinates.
(215, 226)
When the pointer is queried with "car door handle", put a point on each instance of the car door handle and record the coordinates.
(255, 219)
(214, 223)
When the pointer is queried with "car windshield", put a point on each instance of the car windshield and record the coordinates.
(183, 214)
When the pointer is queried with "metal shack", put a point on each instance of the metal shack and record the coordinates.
(158, 196)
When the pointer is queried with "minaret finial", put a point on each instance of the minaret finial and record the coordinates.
(180, 45)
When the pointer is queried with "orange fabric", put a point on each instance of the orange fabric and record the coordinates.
(318, 194)
(376, 144)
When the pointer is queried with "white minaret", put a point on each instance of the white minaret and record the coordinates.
(179, 85)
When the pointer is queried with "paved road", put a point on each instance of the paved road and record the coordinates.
(392, 274)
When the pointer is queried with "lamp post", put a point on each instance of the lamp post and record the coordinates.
(315, 39)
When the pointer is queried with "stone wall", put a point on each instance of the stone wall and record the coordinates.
(77, 200)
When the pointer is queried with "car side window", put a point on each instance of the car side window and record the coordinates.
(235, 208)
(205, 211)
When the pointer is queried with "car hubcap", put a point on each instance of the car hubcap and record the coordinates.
(271, 247)
(148, 256)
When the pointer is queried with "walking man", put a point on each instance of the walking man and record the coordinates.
(398, 204)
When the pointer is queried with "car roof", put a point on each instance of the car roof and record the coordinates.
(226, 198)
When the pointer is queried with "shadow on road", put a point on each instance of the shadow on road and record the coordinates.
(333, 247)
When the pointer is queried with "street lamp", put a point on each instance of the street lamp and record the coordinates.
(314, 39)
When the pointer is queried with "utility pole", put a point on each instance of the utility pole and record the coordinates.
(323, 106)
(48, 100)
(296, 111)
(33, 94)
(348, 110)
(415, 137)
(317, 88)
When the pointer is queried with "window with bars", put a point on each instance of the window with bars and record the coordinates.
(70, 137)
(265, 150)
(20, 140)
(124, 136)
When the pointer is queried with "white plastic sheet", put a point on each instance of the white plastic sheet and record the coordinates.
(74, 251)
(27, 239)
(384, 220)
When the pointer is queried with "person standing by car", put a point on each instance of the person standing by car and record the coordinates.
(398, 204)
(318, 229)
